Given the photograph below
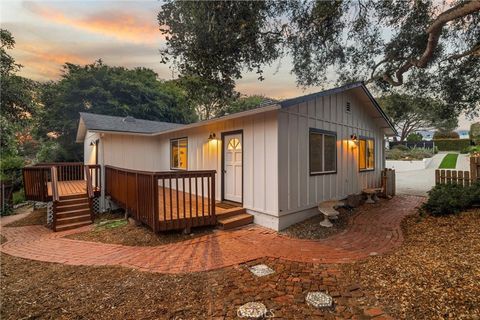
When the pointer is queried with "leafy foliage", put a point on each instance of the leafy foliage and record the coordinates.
(446, 135)
(98, 88)
(452, 144)
(475, 132)
(428, 48)
(408, 154)
(412, 113)
(452, 198)
(245, 103)
(414, 137)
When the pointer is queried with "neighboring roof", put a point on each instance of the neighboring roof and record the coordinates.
(102, 123)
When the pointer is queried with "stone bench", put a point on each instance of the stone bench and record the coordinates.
(372, 194)
(328, 209)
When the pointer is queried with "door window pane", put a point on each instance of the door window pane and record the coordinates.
(366, 154)
(179, 153)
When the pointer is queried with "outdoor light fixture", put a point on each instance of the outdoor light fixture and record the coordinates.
(212, 136)
(354, 138)
(92, 143)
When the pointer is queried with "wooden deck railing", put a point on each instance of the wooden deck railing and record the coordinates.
(55, 195)
(38, 178)
(92, 177)
(164, 200)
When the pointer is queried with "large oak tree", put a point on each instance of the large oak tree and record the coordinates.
(423, 47)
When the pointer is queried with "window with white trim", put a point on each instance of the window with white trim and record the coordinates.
(366, 157)
(179, 154)
(322, 151)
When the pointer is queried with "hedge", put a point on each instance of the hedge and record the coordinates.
(475, 133)
(452, 144)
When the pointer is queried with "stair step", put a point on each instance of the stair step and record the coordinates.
(72, 213)
(72, 225)
(73, 196)
(75, 219)
(235, 221)
(71, 207)
(231, 212)
(66, 202)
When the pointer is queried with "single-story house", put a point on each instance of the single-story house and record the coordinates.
(278, 161)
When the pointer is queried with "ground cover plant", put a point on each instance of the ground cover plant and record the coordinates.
(401, 152)
(452, 198)
(449, 161)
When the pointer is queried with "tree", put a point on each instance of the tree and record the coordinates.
(419, 46)
(245, 103)
(98, 88)
(475, 133)
(17, 100)
(410, 113)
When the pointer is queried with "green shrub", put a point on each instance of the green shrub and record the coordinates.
(408, 154)
(19, 197)
(451, 198)
(445, 135)
(475, 133)
(452, 144)
(414, 137)
(401, 147)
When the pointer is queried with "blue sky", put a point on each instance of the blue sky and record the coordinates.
(50, 33)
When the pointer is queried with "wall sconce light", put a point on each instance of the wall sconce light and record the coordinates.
(92, 143)
(354, 138)
(212, 136)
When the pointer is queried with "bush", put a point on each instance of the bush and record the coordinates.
(414, 137)
(19, 197)
(451, 198)
(446, 135)
(452, 144)
(401, 147)
(475, 133)
(408, 154)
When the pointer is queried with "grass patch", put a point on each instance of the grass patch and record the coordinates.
(449, 161)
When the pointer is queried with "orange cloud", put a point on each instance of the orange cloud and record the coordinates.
(120, 25)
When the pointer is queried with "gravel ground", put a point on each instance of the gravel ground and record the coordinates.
(39, 290)
(132, 235)
(311, 228)
(37, 217)
(434, 275)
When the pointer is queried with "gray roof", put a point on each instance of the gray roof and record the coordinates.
(124, 124)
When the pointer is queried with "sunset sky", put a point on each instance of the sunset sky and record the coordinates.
(121, 33)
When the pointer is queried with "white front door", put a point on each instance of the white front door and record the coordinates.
(233, 168)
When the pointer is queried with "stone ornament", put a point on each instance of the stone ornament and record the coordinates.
(319, 299)
(261, 270)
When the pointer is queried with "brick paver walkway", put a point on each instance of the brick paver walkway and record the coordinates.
(374, 229)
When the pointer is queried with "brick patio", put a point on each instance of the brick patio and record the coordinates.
(374, 229)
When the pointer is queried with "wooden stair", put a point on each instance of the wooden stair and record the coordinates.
(233, 218)
(72, 212)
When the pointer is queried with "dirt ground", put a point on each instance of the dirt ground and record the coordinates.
(120, 232)
(311, 228)
(434, 275)
(38, 290)
(37, 217)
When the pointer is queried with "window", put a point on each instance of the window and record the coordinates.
(178, 154)
(322, 151)
(366, 158)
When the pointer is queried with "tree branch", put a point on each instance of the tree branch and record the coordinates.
(434, 33)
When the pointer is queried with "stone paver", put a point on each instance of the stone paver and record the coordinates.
(375, 228)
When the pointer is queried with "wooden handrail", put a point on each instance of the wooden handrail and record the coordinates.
(164, 200)
(55, 195)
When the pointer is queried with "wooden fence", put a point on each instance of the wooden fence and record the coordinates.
(462, 178)
(164, 200)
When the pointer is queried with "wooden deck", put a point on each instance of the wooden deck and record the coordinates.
(187, 206)
(69, 188)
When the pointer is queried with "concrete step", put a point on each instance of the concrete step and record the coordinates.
(72, 225)
(70, 220)
(235, 221)
(62, 207)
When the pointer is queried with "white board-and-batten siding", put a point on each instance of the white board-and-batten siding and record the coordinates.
(260, 150)
(300, 191)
